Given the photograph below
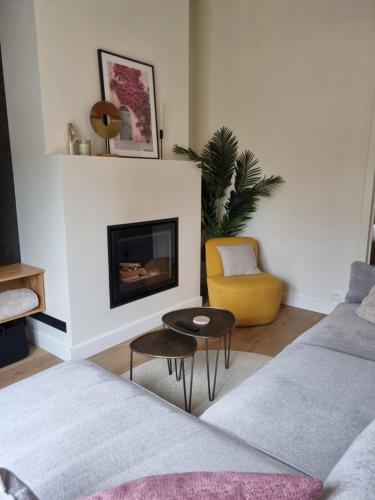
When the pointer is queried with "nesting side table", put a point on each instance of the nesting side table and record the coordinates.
(221, 325)
(169, 345)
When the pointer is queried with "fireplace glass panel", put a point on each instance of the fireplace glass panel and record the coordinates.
(142, 259)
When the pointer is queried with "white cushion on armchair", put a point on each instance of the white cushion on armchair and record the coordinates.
(238, 260)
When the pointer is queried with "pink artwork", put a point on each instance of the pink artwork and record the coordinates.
(129, 85)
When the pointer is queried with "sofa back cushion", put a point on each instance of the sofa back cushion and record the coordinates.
(344, 331)
(353, 475)
(362, 279)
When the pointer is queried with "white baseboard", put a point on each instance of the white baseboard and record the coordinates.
(114, 337)
(49, 339)
(309, 303)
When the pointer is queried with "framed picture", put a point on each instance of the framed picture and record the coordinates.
(130, 86)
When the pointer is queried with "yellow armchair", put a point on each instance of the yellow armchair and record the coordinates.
(253, 299)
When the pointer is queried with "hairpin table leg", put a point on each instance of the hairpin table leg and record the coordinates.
(178, 372)
(170, 369)
(191, 383)
(211, 392)
(227, 348)
(184, 383)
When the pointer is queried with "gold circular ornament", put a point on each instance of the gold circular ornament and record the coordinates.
(98, 113)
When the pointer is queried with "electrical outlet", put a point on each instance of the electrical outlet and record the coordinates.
(336, 295)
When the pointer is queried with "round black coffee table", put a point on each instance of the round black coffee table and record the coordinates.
(221, 325)
(168, 345)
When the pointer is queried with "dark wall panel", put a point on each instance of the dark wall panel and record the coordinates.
(9, 242)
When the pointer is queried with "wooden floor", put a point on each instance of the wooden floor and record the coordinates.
(269, 340)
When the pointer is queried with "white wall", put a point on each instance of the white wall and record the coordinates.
(295, 81)
(51, 77)
(99, 192)
(37, 179)
(69, 34)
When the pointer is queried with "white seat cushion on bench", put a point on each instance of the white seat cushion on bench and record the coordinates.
(16, 302)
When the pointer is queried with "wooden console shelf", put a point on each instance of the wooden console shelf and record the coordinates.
(23, 276)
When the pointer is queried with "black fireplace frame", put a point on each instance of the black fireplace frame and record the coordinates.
(116, 303)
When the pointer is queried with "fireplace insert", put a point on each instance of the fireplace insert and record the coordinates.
(143, 259)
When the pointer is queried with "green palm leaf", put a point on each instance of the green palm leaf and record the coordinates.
(219, 157)
(188, 153)
(219, 163)
(266, 186)
(247, 171)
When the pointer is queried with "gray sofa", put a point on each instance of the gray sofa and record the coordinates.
(76, 428)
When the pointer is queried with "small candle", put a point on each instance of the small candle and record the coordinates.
(201, 320)
(84, 147)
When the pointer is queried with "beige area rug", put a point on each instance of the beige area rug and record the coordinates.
(153, 375)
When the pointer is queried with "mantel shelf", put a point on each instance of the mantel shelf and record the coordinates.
(88, 158)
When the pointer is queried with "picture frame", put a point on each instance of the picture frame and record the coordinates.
(130, 85)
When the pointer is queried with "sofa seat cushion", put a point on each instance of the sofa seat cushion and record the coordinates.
(76, 429)
(304, 407)
(352, 478)
(343, 330)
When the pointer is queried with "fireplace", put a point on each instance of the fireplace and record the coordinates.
(143, 259)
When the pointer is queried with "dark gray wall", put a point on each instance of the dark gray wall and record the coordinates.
(9, 242)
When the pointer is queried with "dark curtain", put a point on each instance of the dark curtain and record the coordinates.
(9, 242)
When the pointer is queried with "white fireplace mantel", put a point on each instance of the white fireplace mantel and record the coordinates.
(90, 194)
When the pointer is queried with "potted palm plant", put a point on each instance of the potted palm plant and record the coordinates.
(232, 185)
